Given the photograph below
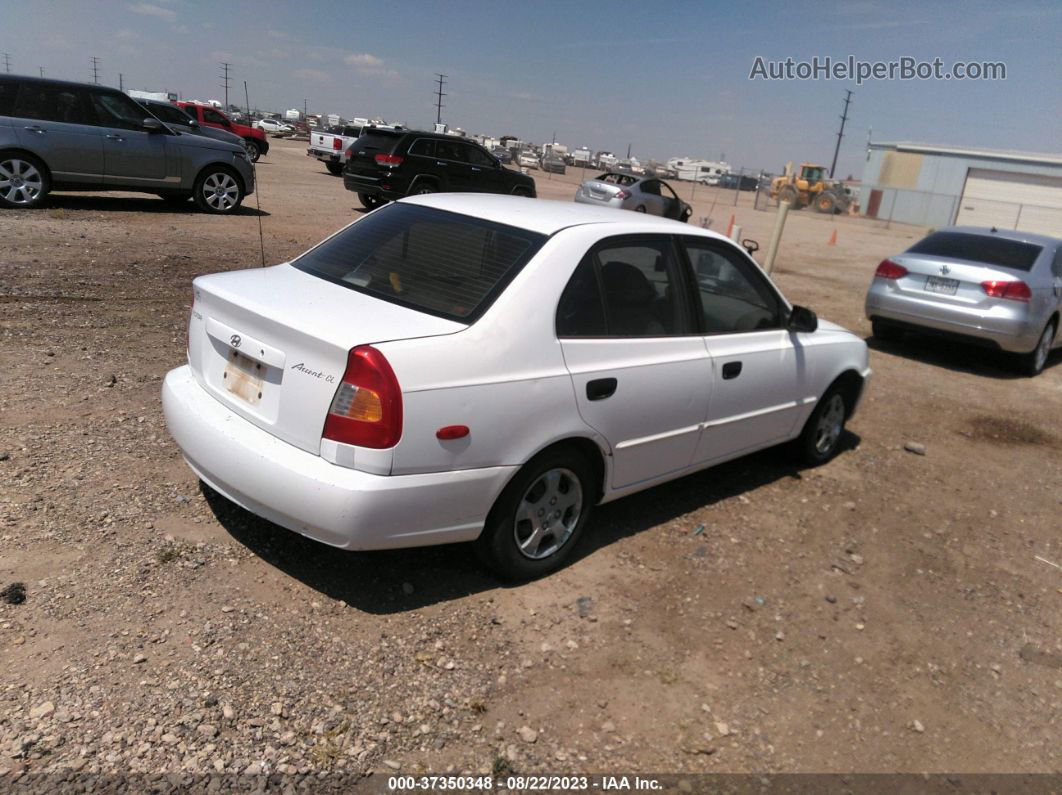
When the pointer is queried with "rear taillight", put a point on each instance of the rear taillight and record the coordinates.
(890, 270)
(388, 160)
(1013, 290)
(367, 408)
(623, 194)
(337, 144)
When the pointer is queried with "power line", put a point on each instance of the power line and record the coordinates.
(225, 81)
(95, 70)
(840, 132)
(439, 95)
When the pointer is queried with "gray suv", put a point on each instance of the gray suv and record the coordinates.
(56, 135)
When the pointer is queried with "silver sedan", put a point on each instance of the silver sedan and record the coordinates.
(1000, 289)
(631, 192)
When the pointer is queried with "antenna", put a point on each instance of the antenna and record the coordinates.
(95, 70)
(840, 132)
(257, 186)
(225, 81)
(439, 95)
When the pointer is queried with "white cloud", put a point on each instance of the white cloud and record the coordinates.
(363, 59)
(147, 9)
(125, 35)
(315, 75)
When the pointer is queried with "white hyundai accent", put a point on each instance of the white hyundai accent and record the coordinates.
(472, 367)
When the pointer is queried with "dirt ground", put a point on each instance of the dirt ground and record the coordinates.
(887, 612)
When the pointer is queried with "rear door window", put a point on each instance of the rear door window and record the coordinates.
(986, 249)
(50, 103)
(450, 150)
(477, 156)
(8, 92)
(445, 264)
(425, 147)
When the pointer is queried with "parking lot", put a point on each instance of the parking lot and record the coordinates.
(890, 611)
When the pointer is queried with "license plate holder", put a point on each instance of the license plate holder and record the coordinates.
(935, 284)
(244, 377)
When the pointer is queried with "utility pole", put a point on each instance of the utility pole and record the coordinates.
(121, 83)
(438, 97)
(840, 132)
(628, 151)
(7, 62)
(42, 70)
(95, 70)
(305, 112)
(225, 81)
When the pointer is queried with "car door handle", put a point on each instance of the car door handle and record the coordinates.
(113, 137)
(438, 163)
(36, 129)
(731, 370)
(600, 388)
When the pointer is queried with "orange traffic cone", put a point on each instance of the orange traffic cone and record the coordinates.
(833, 239)
(730, 227)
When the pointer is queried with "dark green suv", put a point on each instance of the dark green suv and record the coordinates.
(387, 164)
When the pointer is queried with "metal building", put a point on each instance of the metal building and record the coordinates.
(944, 185)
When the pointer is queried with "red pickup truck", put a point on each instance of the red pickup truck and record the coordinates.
(254, 140)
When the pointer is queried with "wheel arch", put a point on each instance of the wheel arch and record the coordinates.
(590, 449)
(223, 165)
(850, 383)
(417, 180)
(18, 150)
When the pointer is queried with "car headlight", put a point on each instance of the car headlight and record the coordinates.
(240, 155)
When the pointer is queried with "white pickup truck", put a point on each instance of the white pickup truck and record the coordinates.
(331, 148)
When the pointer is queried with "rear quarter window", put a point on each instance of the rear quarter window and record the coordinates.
(441, 263)
(986, 249)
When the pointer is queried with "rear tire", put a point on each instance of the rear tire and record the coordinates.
(539, 517)
(789, 194)
(885, 332)
(369, 202)
(335, 169)
(822, 433)
(423, 188)
(826, 203)
(640, 208)
(218, 190)
(24, 181)
(521, 191)
(1033, 362)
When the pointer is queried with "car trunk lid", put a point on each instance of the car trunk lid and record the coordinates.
(272, 344)
(949, 280)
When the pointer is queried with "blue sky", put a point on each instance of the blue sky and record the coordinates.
(669, 78)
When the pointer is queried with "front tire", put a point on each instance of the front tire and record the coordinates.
(536, 522)
(24, 182)
(254, 151)
(821, 437)
(1033, 362)
(218, 191)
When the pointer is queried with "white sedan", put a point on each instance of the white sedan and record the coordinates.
(472, 367)
(273, 126)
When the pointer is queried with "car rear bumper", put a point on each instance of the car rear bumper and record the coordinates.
(302, 492)
(1009, 328)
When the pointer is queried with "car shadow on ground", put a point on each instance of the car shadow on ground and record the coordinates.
(397, 581)
(138, 204)
(956, 356)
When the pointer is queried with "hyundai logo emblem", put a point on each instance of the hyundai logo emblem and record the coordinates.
(235, 340)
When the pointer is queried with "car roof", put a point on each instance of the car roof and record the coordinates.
(52, 82)
(548, 217)
(1007, 234)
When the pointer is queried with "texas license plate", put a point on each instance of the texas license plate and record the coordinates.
(935, 284)
(244, 377)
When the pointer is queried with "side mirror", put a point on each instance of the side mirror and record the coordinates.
(750, 245)
(193, 124)
(151, 125)
(802, 319)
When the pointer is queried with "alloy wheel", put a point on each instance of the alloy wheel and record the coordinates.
(20, 181)
(830, 424)
(221, 191)
(548, 513)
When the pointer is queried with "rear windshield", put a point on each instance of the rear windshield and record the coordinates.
(377, 141)
(997, 251)
(445, 264)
